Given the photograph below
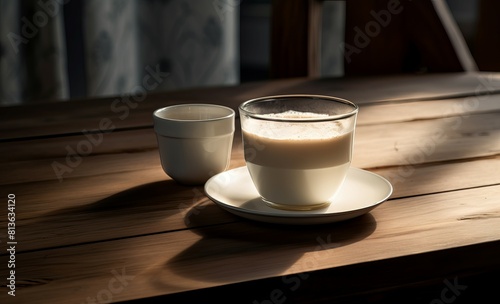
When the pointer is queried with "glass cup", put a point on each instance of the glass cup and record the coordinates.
(194, 141)
(298, 148)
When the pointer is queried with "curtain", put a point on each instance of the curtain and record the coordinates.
(62, 49)
(332, 37)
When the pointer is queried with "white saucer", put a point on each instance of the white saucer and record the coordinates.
(233, 190)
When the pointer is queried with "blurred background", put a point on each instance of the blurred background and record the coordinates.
(72, 49)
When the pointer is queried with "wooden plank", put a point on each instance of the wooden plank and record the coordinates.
(424, 276)
(51, 214)
(378, 113)
(295, 37)
(48, 149)
(144, 139)
(454, 109)
(73, 117)
(191, 259)
(60, 158)
(398, 144)
(424, 141)
(116, 173)
(290, 26)
(441, 177)
(141, 202)
(119, 111)
(80, 234)
(406, 87)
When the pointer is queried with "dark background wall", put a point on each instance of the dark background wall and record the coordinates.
(255, 27)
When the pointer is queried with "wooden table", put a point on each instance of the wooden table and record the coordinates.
(97, 220)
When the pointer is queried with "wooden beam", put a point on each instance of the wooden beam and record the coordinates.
(295, 48)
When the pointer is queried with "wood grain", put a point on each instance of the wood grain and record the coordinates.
(119, 206)
(118, 215)
(392, 112)
(62, 118)
(126, 183)
(450, 137)
(189, 259)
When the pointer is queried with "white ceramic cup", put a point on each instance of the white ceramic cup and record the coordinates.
(194, 140)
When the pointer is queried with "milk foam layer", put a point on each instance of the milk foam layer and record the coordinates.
(303, 145)
(302, 129)
(290, 114)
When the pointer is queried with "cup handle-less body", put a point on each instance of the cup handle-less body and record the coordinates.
(192, 161)
(194, 140)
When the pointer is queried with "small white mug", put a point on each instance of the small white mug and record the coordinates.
(194, 141)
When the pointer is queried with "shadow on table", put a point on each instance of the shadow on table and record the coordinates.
(146, 208)
(228, 252)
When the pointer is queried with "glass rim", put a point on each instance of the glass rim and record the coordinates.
(299, 120)
(230, 112)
